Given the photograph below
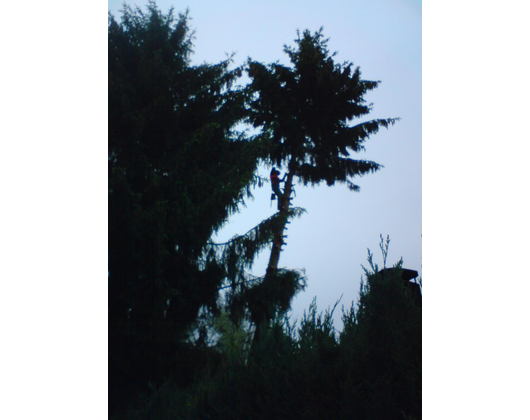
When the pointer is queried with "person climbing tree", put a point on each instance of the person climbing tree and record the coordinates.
(275, 183)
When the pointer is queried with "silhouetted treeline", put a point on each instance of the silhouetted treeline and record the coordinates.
(369, 370)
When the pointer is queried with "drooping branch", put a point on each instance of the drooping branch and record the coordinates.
(244, 291)
(238, 254)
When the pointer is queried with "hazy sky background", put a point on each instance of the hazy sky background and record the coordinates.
(383, 38)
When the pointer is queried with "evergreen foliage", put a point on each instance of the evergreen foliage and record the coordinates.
(306, 112)
(177, 169)
(247, 295)
(369, 370)
(181, 306)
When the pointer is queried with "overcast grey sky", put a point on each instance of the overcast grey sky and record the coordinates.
(383, 38)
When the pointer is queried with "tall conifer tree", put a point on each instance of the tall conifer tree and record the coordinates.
(177, 169)
(306, 112)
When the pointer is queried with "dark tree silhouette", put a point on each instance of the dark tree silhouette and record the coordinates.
(305, 112)
(177, 169)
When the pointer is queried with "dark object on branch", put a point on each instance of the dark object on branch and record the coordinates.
(413, 286)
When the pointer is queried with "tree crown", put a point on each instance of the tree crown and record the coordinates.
(306, 111)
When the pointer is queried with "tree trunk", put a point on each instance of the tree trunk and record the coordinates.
(277, 243)
(278, 236)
